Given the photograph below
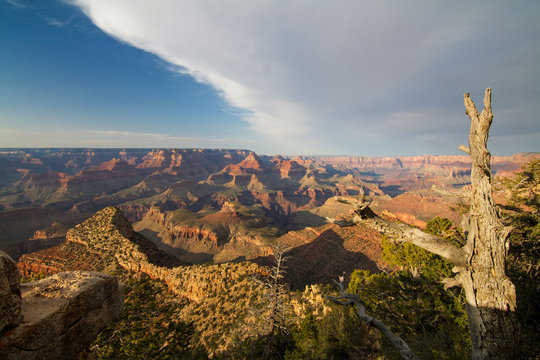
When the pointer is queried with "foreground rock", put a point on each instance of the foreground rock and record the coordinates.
(62, 315)
(10, 292)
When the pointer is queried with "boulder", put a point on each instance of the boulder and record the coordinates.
(62, 315)
(10, 292)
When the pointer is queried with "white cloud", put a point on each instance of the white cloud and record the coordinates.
(15, 3)
(300, 67)
(57, 23)
(109, 138)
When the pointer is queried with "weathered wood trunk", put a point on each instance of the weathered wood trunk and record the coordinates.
(491, 296)
(480, 264)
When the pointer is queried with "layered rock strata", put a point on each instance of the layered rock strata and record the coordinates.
(106, 242)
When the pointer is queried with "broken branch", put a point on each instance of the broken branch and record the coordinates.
(346, 299)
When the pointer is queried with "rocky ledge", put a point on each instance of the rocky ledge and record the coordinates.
(61, 315)
(10, 292)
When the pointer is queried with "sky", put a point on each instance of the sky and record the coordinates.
(373, 78)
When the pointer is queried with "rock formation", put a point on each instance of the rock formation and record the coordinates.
(54, 318)
(62, 315)
(10, 292)
(320, 255)
(444, 162)
(424, 207)
(41, 186)
(106, 242)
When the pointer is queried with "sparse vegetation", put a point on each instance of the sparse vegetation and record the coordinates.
(431, 320)
(335, 335)
(523, 214)
(148, 327)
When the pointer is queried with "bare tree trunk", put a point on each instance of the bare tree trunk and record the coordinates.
(277, 307)
(480, 264)
(491, 296)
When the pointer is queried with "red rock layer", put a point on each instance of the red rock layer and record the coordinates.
(423, 207)
(320, 255)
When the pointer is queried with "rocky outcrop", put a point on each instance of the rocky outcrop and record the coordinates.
(251, 164)
(252, 161)
(62, 315)
(10, 292)
(288, 168)
(404, 217)
(107, 241)
(422, 207)
(102, 229)
(190, 162)
(320, 255)
(198, 237)
(161, 159)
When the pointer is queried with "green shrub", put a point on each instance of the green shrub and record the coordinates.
(146, 329)
(431, 320)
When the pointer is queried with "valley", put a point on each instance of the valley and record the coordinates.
(211, 206)
(199, 228)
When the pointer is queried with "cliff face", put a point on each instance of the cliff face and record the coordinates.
(62, 316)
(10, 293)
(320, 255)
(456, 162)
(190, 162)
(55, 318)
(219, 236)
(288, 168)
(416, 208)
(107, 241)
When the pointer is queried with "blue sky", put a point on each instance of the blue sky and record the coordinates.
(349, 77)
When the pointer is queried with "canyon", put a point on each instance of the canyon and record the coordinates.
(204, 205)
(106, 242)
(202, 224)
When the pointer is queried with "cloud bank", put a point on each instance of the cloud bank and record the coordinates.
(11, 138)
(319, 76)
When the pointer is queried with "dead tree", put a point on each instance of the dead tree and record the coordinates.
(359, 307)
(277, 289)
(480, 265)
(276, 309)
